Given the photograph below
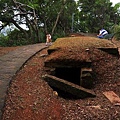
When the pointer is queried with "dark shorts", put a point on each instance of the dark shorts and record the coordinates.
(102, 36)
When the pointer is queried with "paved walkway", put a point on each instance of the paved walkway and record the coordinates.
(10, 63)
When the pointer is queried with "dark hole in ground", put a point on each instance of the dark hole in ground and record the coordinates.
(69, 74)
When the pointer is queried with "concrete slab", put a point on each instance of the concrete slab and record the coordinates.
(68, 87)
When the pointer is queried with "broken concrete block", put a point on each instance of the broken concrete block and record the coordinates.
(113, 51)
(86, 78)
(86, 70)
(87, 81)
(68, 87)
(114, 98)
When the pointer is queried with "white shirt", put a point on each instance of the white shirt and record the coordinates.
(103, 32)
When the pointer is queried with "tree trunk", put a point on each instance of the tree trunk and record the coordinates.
(62, 7)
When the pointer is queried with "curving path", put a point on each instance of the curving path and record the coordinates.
(10, 63)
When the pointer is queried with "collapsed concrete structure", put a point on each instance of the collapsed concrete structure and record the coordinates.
(71, 59)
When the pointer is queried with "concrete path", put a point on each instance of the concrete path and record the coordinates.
(10, 63)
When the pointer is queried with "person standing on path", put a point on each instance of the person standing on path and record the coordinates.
(48, 39)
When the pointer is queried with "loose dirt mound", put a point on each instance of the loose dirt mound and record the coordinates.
(31, 98)
(74, 50)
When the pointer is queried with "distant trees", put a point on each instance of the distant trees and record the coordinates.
(55, 17)
(97, 14)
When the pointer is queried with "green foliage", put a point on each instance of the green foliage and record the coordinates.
(40, 16)
(14, 38)
(97, 14)
(116, 30)
(58, 35)
(117, 6)
(3, 40)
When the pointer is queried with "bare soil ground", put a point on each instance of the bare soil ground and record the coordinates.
(31, 98)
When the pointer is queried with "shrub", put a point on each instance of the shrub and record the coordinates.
(3, 40)
(116, 30)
